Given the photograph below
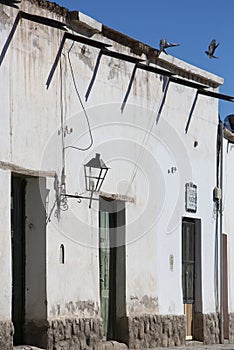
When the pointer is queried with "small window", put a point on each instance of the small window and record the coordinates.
(62, 254)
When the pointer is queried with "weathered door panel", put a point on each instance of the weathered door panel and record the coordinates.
(225, 289)
(188, 274)
(112, 267)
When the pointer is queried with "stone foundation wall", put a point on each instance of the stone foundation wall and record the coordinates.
(75, 334)
(231, 328)
(210, 328)
(156, 331)
(6, 335)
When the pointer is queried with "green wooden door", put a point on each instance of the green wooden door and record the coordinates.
(112, 267)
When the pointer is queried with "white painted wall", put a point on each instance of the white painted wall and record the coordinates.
(228, 219)
(33, 139)
(5, 244)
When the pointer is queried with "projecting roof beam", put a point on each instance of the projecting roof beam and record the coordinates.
(76, 38)
(188, 83)
(129, 88)
(210, 94)
(148, 69)
(165, 73)
(95, 71)
(38, 19)
(154, 70)
(191, 112)
(43, 20)
(122, 56)
(11, 3)
(166, 86)
(87, 41)
(216, 95)
(117, 55)
(9, 38)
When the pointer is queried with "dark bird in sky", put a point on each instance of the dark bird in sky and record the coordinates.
(164, 44)
(211, 49)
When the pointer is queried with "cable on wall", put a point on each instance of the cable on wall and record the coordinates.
(81, 103)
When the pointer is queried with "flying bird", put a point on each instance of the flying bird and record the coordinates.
(211, 49)
(164, 44)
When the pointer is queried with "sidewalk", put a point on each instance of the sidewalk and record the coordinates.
(196, 346)
(199, 347)
(26, 347)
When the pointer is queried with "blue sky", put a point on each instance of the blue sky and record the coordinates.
(193, 24)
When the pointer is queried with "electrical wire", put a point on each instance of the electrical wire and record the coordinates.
(82, 105)
(62, 114)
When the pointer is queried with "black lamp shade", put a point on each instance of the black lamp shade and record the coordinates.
(95, 172)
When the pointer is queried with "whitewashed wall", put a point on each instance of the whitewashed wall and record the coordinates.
(228, 220)
(32, 138)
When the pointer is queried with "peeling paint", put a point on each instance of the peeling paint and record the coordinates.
(4, 20)
(86, 56)
(145, 305)
(115, 68)
(81, 308)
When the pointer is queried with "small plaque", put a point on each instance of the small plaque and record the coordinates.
(191, 197)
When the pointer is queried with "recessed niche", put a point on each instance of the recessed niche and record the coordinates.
(61, 254)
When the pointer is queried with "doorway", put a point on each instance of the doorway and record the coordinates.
(112, 267)
(191, 277)
(18, 257)
(225, 288)
(28, 231)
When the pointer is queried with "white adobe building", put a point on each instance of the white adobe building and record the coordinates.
(141, 266)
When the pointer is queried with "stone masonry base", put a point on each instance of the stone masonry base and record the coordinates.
(211, 328)
(6, 335)
(156, 331)
(75, 334)
(231, 328)
(137, 332)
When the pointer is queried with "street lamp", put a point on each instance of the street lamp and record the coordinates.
(95, 172)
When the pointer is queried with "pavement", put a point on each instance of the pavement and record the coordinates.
(201, 347)
(26, 347)
(194, 346)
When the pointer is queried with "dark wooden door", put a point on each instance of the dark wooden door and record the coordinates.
(188, 274)
(18, 257)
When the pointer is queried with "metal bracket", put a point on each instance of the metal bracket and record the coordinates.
(77, 196)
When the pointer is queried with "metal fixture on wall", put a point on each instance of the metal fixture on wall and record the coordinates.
(95, 172)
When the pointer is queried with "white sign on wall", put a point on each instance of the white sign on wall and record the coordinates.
(191, 197)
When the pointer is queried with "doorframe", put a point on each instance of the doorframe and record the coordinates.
(225, 286)
(117, 297)
(33, 311)
(197, 306)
